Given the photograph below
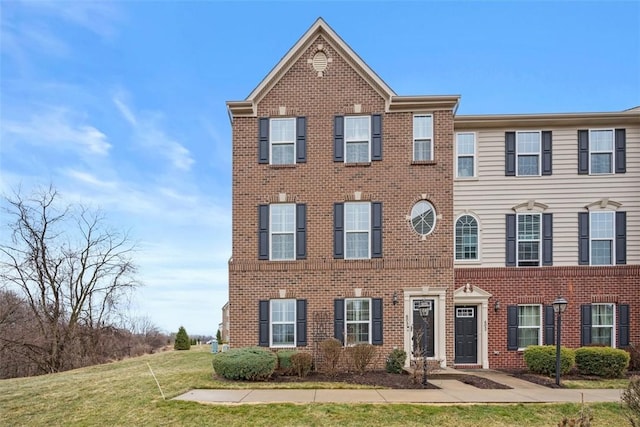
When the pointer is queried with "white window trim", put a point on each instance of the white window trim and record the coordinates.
(612, 326)
(475, 156)
(435, 218)
(271, 323)
(530, 327)
(347, 141)
(539, 239)
(271, 232)
(353, 322)
(346, 231)
(455, 236)
(272, 143)
(612, 239)
(613, 151)
(529, 153)
(430, 139)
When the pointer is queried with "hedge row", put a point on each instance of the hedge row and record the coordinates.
(600, 361)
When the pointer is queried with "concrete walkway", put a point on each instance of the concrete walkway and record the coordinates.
(451, 392)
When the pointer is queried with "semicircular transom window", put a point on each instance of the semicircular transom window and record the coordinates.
(423, 217)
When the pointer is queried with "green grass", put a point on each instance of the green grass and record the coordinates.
(125, 394)
(603, 383)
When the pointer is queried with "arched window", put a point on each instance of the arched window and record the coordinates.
(466, 238)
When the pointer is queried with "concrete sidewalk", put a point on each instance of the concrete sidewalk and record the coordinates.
(451, 392)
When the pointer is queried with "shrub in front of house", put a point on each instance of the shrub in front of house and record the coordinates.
(395, 361)
(604, 362)
(301, 363)
(541, 359)
(360, 356)
(284, 361)
(330, 352)
(250, 363)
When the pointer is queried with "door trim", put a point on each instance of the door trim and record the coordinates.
(473, 295)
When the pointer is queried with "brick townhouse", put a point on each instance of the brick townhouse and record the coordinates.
(353, 205)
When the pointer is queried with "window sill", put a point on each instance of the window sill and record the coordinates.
(358, 164)
(287, 166)
(466, 178)
(424, 162)
(467, 262)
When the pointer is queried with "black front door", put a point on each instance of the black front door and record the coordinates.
(466, 334)
(422, 328)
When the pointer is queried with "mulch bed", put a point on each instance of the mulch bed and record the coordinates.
(551, 381)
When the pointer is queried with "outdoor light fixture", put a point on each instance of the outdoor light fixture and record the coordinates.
(425, 310)
(559, 306)
(496, 306)
(395, 298)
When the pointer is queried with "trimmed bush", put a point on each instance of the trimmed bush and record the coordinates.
(361, 356)
(604, 362)
(284, 361)
(182, 340)
(541, 359)
(395, 361)
(301, 364)
(330, 350)
(251, 364)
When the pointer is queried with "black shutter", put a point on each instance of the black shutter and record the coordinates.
(301, 322)
(621, 157)
(301, 231)
(547, 239)
(263, 140)
(263, 232)
(547, 158)
(583, 152)
(583, 238)
(512, 327)
(585, 324)
(549, 325)
(301, 140)
(338, 139)
(376, 137)
(338, 320)
(623, 325)
(510, 248)
(263, 322)
(338, 230)
(376, 230)
(510, 154)
(621, 237)
(376, 321)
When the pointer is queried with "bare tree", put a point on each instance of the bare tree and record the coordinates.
(73, 271)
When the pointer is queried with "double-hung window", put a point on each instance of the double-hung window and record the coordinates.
(605, 324)
(357, 137)
(357, 230)
(528, 153)
(283, 323)
(465, 155)
(358, 321)
(466, 238)
(602, 321)
(528, 240)
(423, 137)
(282, 230)
(601, 151)
(283, 141)
(529, 325)
(602, 237)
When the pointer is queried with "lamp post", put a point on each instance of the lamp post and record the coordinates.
(425, 309)
(559, 306)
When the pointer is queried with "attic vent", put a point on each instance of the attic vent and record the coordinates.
(320, 62)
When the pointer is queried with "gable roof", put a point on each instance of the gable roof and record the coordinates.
(248, 107)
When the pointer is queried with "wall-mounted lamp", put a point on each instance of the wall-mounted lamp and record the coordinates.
(496, 306)
(395, 298)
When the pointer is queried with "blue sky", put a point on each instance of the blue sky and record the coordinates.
(121, 105)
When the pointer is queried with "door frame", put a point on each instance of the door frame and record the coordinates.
(438, 295)
(474, 296)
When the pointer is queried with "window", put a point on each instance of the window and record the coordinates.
(602, 324)
(282, 231)
(357, 232)
(465, 154)
(602, 237)
(466, 238)
(529, 325)
(282, 141)
(358, 321)
(422, 138)
(528, 240)
(601, 151)
(357, 228)
(283, 323)
(528, 153)
(423, 218)
(357, 133)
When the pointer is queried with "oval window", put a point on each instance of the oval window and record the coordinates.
(423, 217)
